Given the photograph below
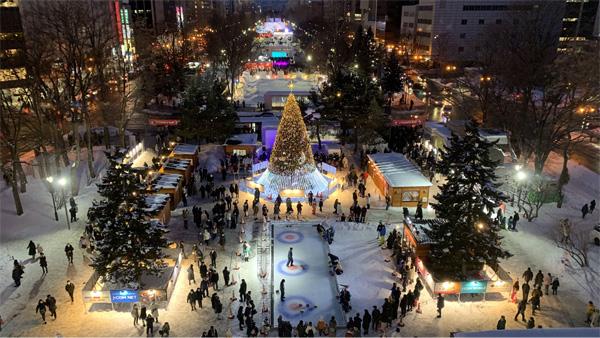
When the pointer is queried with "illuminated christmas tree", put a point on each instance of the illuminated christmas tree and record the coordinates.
(291, 151)
(292, 165)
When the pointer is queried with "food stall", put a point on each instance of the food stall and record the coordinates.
(171, 184)
(186, 151)
(395, 175)
(158, 207)
(181, 166)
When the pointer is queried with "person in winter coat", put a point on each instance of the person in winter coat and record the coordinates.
(191, 277)
(501, 323)
(547, 282)
(536, 296)
(226, 276)
(290, 257)
(135, 313)
(357, 322)
(366, 322)
(215, 280)
(584, 210)
(17, 273)
(528, 275)
(31, 249)
(321, 327)
(51, 304)
(70, 288)
(589, 311)
(440, 305)
(521, 309)
(69, 252)
(531, 323)
(165, 330)
(555, 285)
(213, 258)
(41, 309)
(515, 289)
(154, 312)
(242, 290)
(525, 287)
(282, 290)
(539, 279)
(44, 264)
(199, 295)
(149, 326)
(143, 315)
(240, 317)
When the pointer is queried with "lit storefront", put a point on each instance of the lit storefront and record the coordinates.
(395, 175)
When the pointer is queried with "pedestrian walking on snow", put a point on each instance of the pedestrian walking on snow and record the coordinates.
(525, 287)
(149, 326)
(191, 277)
(44, 264)
(154, 312)
(70, 288)
(31, 249)
(282, 290)
(555, 285)
(547, 282)
(528, 275)
(51, 304)
(584, 210)
(521, 309)
(226, 276)
(135, 313)
(440, 305)
(17, 273)
(41, 309)
(143, 315)
(592, 206)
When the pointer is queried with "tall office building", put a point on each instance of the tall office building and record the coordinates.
(12, 46)
(454, 30)
(580, 22)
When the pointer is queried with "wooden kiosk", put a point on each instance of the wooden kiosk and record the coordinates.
(171, 184)
(180, 166)
(395, 175)
(186, 151)
(159, 207)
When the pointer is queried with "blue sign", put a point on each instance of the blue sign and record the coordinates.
(278, 54)
(123, 296)
(475, 286)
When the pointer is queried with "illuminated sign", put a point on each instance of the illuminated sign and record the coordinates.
(475, 286)
(281, 63)
(123, 296)
(446, 288)
(278, 54)
(96, 296)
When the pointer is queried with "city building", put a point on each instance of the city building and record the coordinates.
(12, 46)
(580, 23)
(454, 31)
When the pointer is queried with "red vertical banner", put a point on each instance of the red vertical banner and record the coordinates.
(118, 17)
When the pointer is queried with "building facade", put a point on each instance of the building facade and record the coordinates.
(12, 46)
(455, 30)
(580, 24)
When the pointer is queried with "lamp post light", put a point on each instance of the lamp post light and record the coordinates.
(50, 179)
(62, 182)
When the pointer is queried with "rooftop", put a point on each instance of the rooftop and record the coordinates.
(399, 171)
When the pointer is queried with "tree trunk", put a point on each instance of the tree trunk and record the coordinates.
(564, 174)
(106, 138)
(15, 190)
(90, 145)
(75, 166)
(18, 172)
(318, 125)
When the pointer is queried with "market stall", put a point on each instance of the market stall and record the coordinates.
(395, 175)
(186, 151)
(181, 166)
(158, 207)
(171, 184)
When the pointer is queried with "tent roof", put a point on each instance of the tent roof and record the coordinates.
(399, 171)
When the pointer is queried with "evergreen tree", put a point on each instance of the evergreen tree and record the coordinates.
(129, 244)
(391, 81)
(207, 114)
(466, 239)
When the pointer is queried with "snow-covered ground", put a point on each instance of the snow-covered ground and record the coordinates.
(365, 270)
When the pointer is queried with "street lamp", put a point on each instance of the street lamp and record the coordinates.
(309, 58)
(50, 179)
(62, 182)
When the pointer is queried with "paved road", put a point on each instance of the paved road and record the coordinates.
(587, 154)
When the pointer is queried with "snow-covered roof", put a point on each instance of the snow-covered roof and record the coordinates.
(398, 171)
(177, 163)
(242, 139)
(185, 149)
(417, 228)
(166, 181)
(156, 202)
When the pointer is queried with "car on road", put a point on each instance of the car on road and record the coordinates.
(595, 234)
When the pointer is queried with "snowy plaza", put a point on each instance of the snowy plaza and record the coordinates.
(255, 168)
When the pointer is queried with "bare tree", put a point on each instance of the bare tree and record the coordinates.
(575, 244)
(532, 91)
(76, 38)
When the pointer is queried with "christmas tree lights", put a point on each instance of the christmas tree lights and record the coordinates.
(291, 152)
